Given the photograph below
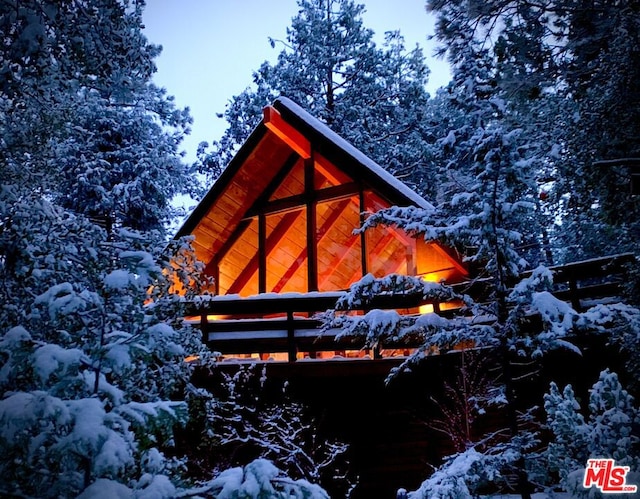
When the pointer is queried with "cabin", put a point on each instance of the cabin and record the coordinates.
(276, 233)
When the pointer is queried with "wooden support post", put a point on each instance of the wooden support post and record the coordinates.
(291, 339)
(203, 327)
(262, 254)
(573, 292)
(376, 352)
(312, 240)
(216, 275)
(270, 244)
(363, 239)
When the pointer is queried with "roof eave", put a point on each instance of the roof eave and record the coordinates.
(319, 132)
(222, 181)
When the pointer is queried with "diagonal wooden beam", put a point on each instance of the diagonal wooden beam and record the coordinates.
(211, 267)
(290, 272)
(382, 242)
(263, 200)
(233, 238)
(335, 263)
(270, 243)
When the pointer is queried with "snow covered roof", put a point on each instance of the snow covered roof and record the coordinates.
(362, 168)
(290, 111)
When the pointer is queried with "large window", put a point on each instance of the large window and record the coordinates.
(339, 250)
(286, 252)
(271, 252)
(238, 269)
(389, 250)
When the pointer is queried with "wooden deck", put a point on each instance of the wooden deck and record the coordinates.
(389, 426)
(284, 327)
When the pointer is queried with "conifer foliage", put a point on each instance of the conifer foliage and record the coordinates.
(92, 379)
(570, 68)
(329, 64)
(607, 432)
(488, 210)
(82, 122)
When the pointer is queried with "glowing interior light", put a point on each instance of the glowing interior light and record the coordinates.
(426, 309)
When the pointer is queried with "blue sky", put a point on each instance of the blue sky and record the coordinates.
(211, 47)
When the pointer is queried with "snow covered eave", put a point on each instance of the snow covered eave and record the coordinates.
(320, 134)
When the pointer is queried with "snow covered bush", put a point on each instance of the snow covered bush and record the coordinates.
(260, 479)
(243, 419)
(93, 376)
(619, 323)
(613, 420)
(568, 449)
(610, 432)
(464, 475)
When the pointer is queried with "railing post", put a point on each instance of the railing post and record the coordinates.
(291, 340)
(573, 291)
(203, 327)
(376, 352)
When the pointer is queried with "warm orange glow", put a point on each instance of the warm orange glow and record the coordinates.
(397, 352)
(451, 305)
(465, 345)
(191, 358)
(435, 264)
(426, 309)
(198, 318)
(327, 174)
(283, 223)
(430, 277)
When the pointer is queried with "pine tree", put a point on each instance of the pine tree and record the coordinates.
(93, 377)
(569, 449)
(608, 431)
(570, 68)
(490, 208)
(375, 97)
(82, 122)
(612, 418)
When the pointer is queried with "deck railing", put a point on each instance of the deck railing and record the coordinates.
(285, 323)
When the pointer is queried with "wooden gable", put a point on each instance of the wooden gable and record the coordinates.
(281, 217)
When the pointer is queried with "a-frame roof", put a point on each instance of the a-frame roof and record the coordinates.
(285, 134)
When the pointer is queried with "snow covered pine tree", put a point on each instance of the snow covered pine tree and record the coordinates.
(92, 346)
(491, 210)
(608, 433)
(92, 376)
(375, 97)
